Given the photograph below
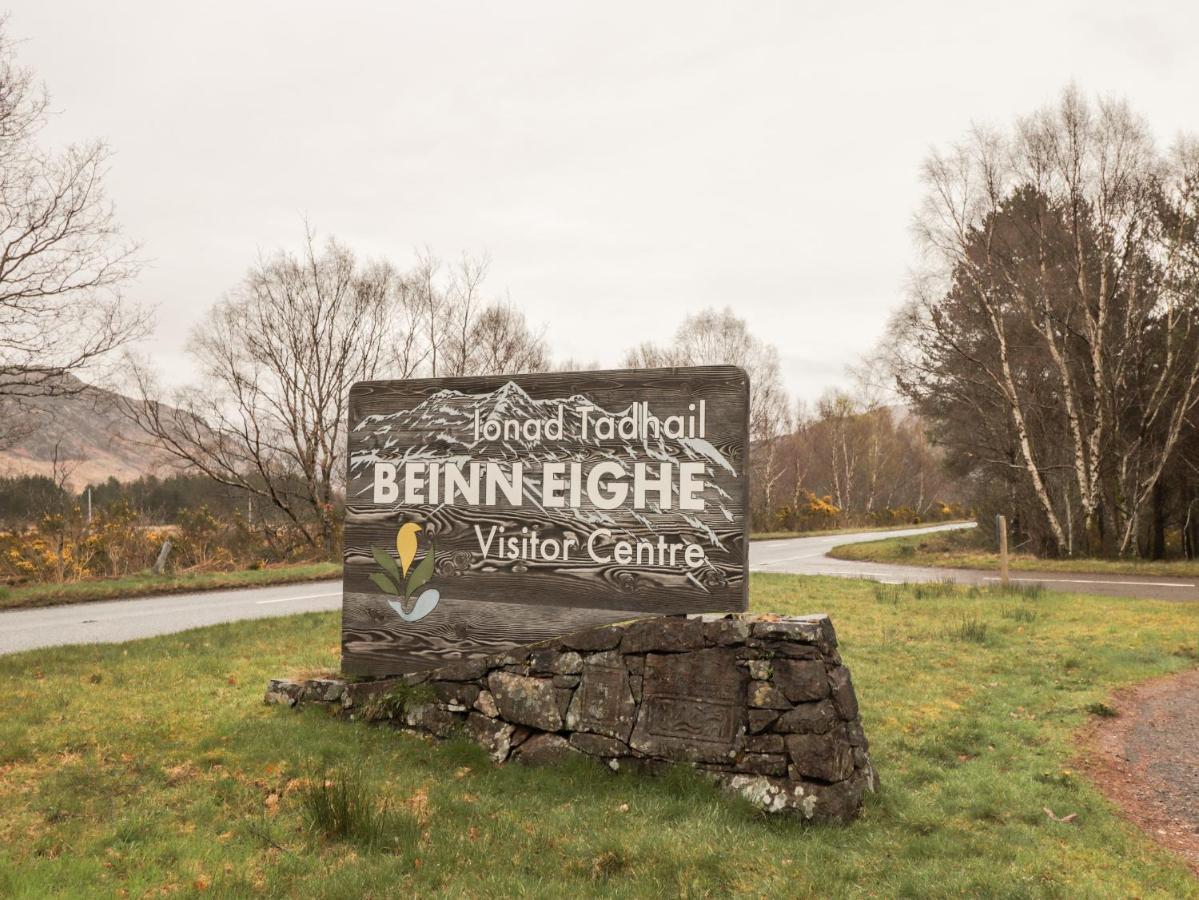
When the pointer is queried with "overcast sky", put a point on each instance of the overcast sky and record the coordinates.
(622, 164)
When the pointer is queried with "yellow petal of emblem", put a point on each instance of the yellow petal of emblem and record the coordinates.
(406, 545)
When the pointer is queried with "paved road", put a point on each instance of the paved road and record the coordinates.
(807, 556)
(123, 620)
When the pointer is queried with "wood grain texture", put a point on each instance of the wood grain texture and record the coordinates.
(375, 641)
(432, 419)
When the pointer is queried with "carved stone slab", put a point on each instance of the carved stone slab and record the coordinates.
(692, 706)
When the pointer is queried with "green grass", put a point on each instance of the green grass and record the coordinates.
(856, 529)
(342, 806)
(27, 596)
(153, 767)
(962, 550)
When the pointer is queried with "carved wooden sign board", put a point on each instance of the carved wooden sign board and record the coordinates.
(484, 513)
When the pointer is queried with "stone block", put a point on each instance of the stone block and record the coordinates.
(456, 693)
(598, 745)
(635, 682)
(542, 749)
(761, 763)
(801, 629)
(843, 694)
(639, 765)
(789, 650)
(808, 718)
(524, 700)
(825, 757)
(321, 690)
(857, 736)
(541, 661)
(563, 696)
(763, 743)
(567, 662)
(726, 632)
(603, 702)
(593, 639)
(471, 668)
(664, 634)
(801, 680)
(495, 737)
(429, 717)
(764, 695)
(485, 703)
(759, 669)
(761, 719)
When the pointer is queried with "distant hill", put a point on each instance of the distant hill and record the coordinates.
(92, 436)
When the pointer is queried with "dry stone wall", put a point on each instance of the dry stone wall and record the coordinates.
(763, 703)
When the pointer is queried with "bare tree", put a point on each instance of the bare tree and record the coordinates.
(280, 354)
(713, 337)
(451, 329)
(62, 260)
(279, 357)
(501, 341)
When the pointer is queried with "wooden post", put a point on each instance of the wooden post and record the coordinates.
(1001, 527)
(160, 564)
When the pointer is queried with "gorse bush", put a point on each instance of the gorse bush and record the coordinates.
(809, 512)
(64, 547)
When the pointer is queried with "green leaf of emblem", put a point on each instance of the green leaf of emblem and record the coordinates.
(422, 572)
(384, 583)
(388, 565)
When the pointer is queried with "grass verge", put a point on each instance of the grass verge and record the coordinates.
(961, 550)
(783, 535)
(153, 767)
(140, 585)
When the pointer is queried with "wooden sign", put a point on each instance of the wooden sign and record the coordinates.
(483, 513)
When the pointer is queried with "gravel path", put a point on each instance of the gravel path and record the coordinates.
(1147, 760)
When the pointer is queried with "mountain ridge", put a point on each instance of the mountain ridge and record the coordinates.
(87, 434)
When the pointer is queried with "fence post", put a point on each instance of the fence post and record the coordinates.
(1001, 528)
(160, 564)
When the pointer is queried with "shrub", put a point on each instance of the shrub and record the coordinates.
(969, 629)
(888, 593)
(343, 806)
(929, 590)
(1024, 614)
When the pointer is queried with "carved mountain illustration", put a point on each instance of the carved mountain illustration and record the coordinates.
(442, 427)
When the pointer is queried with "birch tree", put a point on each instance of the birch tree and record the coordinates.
(1057, 313)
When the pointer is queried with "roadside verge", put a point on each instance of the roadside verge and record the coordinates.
(41, 595)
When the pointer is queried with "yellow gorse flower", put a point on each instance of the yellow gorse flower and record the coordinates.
(406, 545)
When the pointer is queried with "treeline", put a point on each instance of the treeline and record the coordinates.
(851, 462)
(1053, 342)
(24, 499)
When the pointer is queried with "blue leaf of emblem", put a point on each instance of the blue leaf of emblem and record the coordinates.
(424, 605)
